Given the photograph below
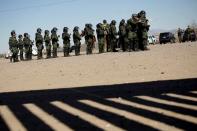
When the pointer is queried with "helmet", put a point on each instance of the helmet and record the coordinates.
(122, 21)
(104, 21)
(98, 25)
(76, 28)
(86, 25)
(13, 32)
(65, 29)
(20, 36)
(142, 12)
(46, 31)
(39, 30)
(113, 22)
(54, 30)
(25, 34)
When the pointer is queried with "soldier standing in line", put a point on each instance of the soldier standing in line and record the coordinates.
(30, 49)
(66, 41)
(20, 45)
(39, 43)
(122, 35)
(89, 38)
(13, 46)
(55, 39)
(76, 40)
(27, 45)
(188, 32)
(179, 32)
(132, 28)
(100, 36)
(106, 27)
(47, 40)
(113, 35)
(143, 30)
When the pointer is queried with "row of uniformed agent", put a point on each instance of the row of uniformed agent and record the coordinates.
(132, 37)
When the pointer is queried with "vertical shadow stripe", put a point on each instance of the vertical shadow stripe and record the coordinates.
(181, 96)
(88, 117)
(157, 110)
(51, 121)
(140, 119)
(172, 103)
(10, 118)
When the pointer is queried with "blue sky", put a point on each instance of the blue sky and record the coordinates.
(27, 15)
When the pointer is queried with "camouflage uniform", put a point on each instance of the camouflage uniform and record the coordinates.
(122, 35)
(100, 36)
(106, 27)
(47, 40)
(76, 39)
(179, 32)
(13, 46)
(55, 40)
(143, 30)
(66, 41)
(20, 46)
(132, 28)
(39, 43)
(113, 34)
(28, 46)
(31, 45)
(188, 33)
(89, 38)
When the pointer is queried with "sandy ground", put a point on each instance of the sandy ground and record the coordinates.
(161, 62)
(150, 100)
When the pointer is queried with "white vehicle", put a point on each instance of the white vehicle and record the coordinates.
(34, 51)
(152, 40)
(8, 54)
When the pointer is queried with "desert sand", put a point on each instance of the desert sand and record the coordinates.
(161, 62)
(150, 90)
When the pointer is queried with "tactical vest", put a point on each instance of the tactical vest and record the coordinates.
(47, 38)
(54, 37)
(39, 38)
(13, 42)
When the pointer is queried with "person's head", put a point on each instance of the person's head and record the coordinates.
(13, 33)
(65, 29)
(26, 35)
(104, 21)
(122, 22)
(86, 25)
(142, 13)
(46, 32)
(39, 30)
(20, 36)
(54, 30)
(90, 25)
(98, 25)
(113, 22)
(76, 28)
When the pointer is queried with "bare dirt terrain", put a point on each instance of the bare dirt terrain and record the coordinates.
(162, 62)
(150, 90)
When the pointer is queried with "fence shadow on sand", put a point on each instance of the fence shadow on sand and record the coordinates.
(132, 106)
